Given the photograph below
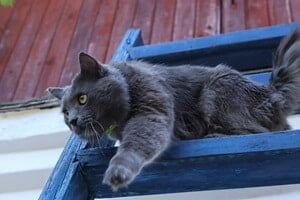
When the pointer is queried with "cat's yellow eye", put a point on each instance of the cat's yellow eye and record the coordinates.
(82, 99)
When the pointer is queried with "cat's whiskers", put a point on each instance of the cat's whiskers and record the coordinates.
(97, 135)
(88, 133)
(99, 124)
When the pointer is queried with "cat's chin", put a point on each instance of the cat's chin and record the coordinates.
(92, 137)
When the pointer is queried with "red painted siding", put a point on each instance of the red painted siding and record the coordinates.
(40, 40)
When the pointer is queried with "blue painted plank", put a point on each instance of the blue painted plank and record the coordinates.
(243, 50)
(206, 164)
(65, 173)
(131, 39)
(261, 78)
(72, 184)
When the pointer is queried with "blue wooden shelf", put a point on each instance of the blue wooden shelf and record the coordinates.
(217, 163)
(207, 164)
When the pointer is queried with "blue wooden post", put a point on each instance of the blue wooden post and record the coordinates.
(61, 185)
(208, 164)
(243, 50)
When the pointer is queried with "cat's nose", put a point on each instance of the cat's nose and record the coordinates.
(73, 121)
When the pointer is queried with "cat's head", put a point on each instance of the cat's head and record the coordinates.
(97, 99)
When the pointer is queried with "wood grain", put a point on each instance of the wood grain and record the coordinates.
(295, 6)
(97, 26)
(163, 22)
(59, 47)
(279, 12)
(100, 38)
(39, 51)
(12, 31)
(184, 19)
(19, 54)
(80, 40)
(124, 19)
(208, 18)
(256, 13)
(206, 164)
(233, 15)
(144, 18)
(5, 14)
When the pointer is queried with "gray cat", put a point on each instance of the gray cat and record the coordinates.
(146, 106)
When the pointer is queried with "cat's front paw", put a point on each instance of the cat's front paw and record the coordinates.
(118, 176)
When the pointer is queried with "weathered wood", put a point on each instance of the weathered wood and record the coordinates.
(240, 49)
(233, 15)
(101, 36)
(295, 5)
(80, 40)
(206, 164)
(14, 26)
(208, 20)
(279, 12)
(123, 20)
(160, 21)
(5, 14)
(163, 22)
(59, 47)
(144, 18)
(66, 181)
(36, 103)
(256, 13)
(19, 55)
(184, 21)
(131, 39)
(38, 53)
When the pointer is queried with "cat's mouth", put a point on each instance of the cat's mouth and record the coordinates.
(92, 131)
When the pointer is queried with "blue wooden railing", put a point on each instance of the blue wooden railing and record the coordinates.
(207, 164)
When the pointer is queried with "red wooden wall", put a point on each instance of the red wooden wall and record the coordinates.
(40, 40)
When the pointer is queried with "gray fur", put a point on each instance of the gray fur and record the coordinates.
(153, 104)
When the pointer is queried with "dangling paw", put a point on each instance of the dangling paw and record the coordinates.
(118, 176)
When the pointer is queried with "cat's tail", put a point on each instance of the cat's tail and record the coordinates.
(285, 78)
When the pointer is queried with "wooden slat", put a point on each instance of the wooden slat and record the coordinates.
(207, 18)
(65, 174)
(12, 30)
(144, 18)
(256, 13)
(163, 22)
(36, 59)
(5, 14)
(124, 19)
(80, 39)
(237, 49)
(233, 15)
(21, 50)
(279, 12)
(103, 26)
(131, 39)
(59, 47)
(184, 21)
(206, 164)
(295, 6)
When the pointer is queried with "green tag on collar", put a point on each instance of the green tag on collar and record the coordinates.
(110, 129)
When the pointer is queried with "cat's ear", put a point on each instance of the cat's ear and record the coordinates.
(89, 66)
(57, 92)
